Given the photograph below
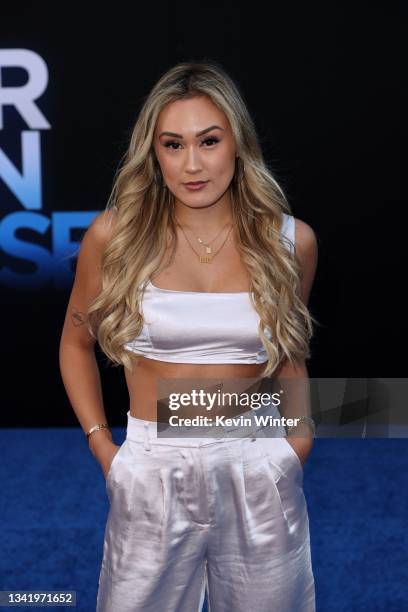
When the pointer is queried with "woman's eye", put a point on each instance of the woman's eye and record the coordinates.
(172, 144)
(169, 144)
(211, 140)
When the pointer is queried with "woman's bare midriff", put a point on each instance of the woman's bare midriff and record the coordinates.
(143, 390)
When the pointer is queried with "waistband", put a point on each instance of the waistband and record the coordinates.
(140, 430)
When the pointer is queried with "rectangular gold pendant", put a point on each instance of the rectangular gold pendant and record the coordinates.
(208, 250)
(205, 259)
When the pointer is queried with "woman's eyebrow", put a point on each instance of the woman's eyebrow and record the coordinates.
(212, 127)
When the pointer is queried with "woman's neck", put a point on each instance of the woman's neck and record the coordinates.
(204, 218)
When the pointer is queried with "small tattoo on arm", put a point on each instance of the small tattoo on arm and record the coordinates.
(78, 317)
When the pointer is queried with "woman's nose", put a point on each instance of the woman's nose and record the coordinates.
(193, 159)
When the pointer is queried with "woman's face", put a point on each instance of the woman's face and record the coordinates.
(193, 141)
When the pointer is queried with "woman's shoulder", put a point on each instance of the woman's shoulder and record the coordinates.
(300, 234)
(307, 255)
(304, 235)
(102, 226)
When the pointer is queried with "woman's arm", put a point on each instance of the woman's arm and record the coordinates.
(294, 378)
(78, 365)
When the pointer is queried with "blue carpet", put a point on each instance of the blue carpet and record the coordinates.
(54, 507)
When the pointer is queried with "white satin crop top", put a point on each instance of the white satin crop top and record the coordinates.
(202, 327)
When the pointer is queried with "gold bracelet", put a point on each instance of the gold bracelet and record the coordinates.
(96, 428)
(304, 419)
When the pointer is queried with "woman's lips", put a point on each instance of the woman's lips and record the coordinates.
(196, 186)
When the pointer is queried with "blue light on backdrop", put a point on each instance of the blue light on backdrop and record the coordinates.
(50, 265)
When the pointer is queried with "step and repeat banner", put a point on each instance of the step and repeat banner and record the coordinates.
(26, 213)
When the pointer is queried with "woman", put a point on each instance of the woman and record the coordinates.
(196, 270)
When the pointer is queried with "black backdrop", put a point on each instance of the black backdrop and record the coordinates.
(325, 83)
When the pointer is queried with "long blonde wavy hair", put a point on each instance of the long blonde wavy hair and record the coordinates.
(144, 214)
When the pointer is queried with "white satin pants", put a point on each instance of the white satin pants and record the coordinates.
(226, 514)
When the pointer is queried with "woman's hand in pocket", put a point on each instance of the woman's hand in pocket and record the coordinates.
(104, 451)
(108, 458)
(301, 446)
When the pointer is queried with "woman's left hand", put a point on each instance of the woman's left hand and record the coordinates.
(301, 446)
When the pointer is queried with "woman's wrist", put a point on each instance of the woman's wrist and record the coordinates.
(304, 426)
(301, 430)
(98, 439)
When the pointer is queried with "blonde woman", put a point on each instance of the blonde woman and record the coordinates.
(196, 270)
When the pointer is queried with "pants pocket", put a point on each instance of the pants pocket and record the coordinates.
(113, 463)
(293, 502)
(286, 475)
(294, 454)
(284, 456)
(135, 537)
(135, 488)
(262, 495)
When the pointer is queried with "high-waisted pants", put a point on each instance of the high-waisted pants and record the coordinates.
(219, 513)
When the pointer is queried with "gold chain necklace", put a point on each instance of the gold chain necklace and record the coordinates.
(206, 258)
(207, 246)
